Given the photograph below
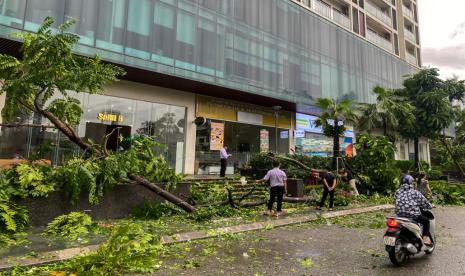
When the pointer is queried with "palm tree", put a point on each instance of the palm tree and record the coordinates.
(389, 111)
(335, 115)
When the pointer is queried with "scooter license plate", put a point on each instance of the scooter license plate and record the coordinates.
(391, 241)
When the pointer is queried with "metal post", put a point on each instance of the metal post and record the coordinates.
(276, 109)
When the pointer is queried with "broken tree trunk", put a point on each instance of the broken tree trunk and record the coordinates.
(162, 193)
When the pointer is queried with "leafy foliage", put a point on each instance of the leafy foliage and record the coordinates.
(49, 67)
(444, 193)
(375, 165)
(156, 210)
(389, 111)
(263, 161)
(129, 249)
(27, 179)
(71, 226)
(334, 118)
(96, 176)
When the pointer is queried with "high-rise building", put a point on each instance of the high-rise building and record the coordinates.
(389, 24)
(249, 69)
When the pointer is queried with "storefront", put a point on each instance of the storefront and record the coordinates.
(246, 129)
(107, 114)
(309, 139)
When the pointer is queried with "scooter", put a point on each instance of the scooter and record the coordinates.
(403, 238)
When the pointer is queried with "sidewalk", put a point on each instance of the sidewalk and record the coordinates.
(62, 255)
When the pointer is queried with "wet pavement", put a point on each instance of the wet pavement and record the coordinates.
(318, 249)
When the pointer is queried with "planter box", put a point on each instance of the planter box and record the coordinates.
(117, 203)
(295, 188)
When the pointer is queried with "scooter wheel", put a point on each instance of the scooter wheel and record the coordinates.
(397, 255)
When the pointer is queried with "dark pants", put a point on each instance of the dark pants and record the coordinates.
(277, 191)
(331, 198)
(224, 163)
(425, 222)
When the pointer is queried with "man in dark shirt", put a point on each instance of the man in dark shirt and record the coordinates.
(329, 186)
(349, 177)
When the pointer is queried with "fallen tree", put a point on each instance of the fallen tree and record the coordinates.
(44, 80)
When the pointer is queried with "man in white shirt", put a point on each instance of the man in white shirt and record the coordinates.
(278, 187)
(224, 160)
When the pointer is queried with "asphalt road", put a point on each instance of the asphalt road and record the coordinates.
(310, 249)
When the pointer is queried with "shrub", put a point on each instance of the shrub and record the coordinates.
(71, 226)
(129, 249)
(375, 165)
(156, 210)
(445, 193)
(435, 175)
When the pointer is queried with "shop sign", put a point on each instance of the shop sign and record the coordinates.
(216, 136)
(249, 118)
(264, 140)
(222, 109)
(110, 117)
(299, 133)
(307, 123)
(284, 134)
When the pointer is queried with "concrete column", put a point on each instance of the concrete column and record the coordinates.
(2, 104)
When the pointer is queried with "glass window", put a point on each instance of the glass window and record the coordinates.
(111, 22)
(163, 37)
(85, 11)
(38, 10)
(186, 28)
(12, 13)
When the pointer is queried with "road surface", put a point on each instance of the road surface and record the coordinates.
(318, 249)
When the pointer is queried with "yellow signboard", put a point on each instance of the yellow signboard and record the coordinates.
(110, 117)
(221, 109)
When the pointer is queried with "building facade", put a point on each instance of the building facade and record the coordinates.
(228, 61)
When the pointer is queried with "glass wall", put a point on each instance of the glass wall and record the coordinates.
(243, 140)
(102, 115)
(273, 48)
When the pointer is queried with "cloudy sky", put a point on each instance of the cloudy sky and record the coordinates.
(442, 27)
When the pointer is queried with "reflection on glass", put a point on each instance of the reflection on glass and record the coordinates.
(12, 13)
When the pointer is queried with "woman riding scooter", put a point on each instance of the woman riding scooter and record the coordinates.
(409, 204)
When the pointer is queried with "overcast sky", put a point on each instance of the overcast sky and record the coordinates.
(442, 27)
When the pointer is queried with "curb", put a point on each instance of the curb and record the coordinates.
(66, 254)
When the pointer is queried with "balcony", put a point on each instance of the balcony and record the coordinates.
(322, 9)
(379, 40)
(411, 58)
(327, 11)
(341, 19)
(376, 11)
(408, 12)
(410, 36)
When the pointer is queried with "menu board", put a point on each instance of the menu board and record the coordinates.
(216, 136)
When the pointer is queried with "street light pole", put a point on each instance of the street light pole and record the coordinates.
(276, 109)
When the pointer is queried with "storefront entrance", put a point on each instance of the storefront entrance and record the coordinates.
(96, 132)
(246, 129)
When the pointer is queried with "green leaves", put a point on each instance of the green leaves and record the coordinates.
(71, 226)
(30, 180)
(67, 110)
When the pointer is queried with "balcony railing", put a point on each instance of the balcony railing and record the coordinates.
(410, 36)
(326, 11)
(408, 12)
(378, 13)
(379, 40)
(322, 8)
(412, 59)
(341, 19)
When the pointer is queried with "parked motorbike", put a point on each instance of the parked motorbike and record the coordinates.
(403, 238)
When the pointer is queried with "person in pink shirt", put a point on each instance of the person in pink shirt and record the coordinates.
(278, 187)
